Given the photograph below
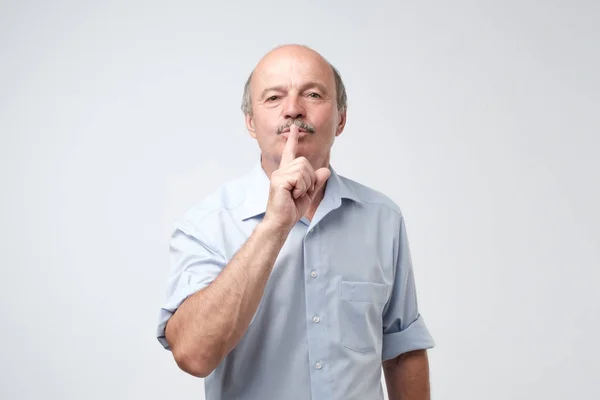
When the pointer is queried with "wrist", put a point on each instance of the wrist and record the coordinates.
(273, 227)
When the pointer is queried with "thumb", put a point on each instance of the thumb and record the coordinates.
(322, 174)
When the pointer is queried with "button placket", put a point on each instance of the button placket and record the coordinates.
(315, 306)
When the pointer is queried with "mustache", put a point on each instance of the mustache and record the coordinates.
(299, 123)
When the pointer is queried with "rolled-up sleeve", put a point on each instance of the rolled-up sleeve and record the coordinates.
(404, 328)
(193, 266)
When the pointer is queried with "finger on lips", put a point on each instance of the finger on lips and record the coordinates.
(289, 150)
(304, 181)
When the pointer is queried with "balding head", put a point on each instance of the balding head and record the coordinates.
(284, 52)
(294, 85)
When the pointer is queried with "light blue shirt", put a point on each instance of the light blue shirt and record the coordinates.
(340, 299)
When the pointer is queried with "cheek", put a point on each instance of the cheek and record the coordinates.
(325, 117)
(266, 124)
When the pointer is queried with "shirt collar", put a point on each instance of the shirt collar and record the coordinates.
(257, 191)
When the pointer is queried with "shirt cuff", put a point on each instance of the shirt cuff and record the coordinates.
(167, 311)
(416, 336)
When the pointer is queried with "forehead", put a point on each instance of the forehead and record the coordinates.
(292, 68)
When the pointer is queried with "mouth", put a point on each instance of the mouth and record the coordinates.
(287, 130)
(301, 133)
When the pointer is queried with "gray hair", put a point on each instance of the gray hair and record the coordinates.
(340, 91)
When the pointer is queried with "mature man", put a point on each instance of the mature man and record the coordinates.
(293, 282)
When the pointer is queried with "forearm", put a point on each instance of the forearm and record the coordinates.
(210, 323)
(407, 376)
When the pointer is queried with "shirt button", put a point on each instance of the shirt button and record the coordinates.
(319, 365)
(314, 274)
(316, 319)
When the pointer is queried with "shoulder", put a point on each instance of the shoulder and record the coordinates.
(371, 197)
(226, 198)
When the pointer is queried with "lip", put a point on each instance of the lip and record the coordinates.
(287, 130)
(301, 133)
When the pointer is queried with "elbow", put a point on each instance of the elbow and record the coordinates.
(194, 366)
(194, 356)
(188, 359)
(199, 371)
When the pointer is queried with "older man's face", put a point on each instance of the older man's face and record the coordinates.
(294, 85)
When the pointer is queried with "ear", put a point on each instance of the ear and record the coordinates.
(341, 124)
(250, 125)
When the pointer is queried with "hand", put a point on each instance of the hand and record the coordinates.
(293, 186)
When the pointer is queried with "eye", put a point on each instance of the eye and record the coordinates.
(272, 98)
(314, 95)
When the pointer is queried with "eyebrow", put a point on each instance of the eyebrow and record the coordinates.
(304, 87)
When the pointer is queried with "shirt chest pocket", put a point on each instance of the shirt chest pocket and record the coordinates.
(361, 308)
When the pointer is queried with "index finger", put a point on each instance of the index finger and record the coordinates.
(289, 151)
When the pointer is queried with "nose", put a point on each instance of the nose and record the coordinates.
(293, 107)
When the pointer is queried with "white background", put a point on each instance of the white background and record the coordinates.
(479, 118)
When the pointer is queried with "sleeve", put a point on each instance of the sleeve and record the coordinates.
(193, 266)
(404, 328)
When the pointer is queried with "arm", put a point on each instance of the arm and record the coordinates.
(229, 303)
(405, 336)
(407, 376)
(211, 322)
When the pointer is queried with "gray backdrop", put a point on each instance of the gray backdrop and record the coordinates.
(479, 118)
